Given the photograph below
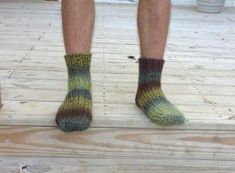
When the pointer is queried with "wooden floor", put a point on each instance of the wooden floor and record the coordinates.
(199, 78)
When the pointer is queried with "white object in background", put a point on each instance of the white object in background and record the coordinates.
(210, 6)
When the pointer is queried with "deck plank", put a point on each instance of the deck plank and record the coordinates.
(135, 165)
(118, 143)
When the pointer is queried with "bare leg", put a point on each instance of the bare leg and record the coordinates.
(153, 22)
(78, 25)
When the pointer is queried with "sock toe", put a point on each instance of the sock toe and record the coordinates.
(75, 120)
(70, 125)
(167, 120)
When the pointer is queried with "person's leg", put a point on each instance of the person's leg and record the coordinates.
(153, 22)
(78, 24)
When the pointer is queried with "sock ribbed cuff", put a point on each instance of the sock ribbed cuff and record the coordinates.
(78, 59)
(150, 65)
(150, 71)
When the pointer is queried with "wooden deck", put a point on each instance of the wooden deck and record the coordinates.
(199, 78)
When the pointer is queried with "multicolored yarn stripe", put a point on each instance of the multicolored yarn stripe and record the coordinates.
(150, 97)
(76, 111)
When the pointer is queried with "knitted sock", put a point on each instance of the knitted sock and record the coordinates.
(76, 111)
(150, 97)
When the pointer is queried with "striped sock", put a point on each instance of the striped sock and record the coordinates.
(76, 111)
(150, 97)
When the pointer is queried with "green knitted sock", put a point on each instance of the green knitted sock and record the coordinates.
(76, 111)
(150, 97)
